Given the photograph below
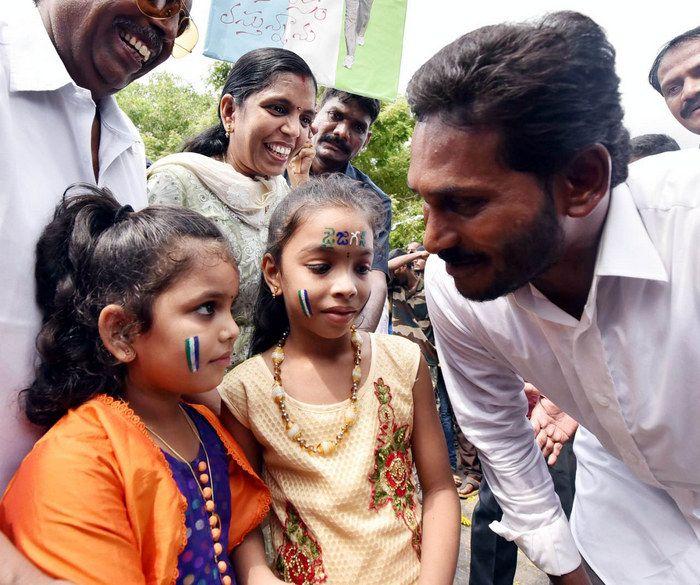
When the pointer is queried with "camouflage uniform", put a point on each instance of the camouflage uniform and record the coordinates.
(409, 319)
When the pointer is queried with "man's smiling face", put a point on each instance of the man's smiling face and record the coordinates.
(107, 44)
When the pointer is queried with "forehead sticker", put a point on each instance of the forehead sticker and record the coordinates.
(192, 353)
(332, 238)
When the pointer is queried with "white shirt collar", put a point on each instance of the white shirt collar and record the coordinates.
(625, 247)
(625, 250)
(36, 66)
(34, 62)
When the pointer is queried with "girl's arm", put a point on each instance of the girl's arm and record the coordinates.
(249, 557)
(441, 510)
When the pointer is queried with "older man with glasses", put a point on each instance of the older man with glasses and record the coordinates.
(60, 63)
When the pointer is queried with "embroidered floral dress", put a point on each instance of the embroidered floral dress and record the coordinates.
(351, 517)
(239, 205)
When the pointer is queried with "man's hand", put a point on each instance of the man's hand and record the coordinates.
(552, 427)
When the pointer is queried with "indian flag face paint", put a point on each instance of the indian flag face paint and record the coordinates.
(192, 353)
(304, 302)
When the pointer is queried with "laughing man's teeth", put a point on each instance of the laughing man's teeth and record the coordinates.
(281, 150)
(138, 45)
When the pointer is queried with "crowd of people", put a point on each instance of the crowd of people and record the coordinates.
(216, 371)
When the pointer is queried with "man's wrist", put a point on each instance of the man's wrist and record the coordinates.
(576, 577)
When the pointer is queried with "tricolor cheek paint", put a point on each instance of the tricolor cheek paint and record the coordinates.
(192, 353)
(304, 301)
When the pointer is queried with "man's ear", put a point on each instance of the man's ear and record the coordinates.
(585, 181)
(271, 274)
(227, 109)
(369, 135)
(113, 325)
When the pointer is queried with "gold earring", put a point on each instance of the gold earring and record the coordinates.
(275, 290)
(228, 131)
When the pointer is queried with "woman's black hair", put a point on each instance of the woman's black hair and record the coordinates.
(270, 319)
(94, 253)
(253, 72)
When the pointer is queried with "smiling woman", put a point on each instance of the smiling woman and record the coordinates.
(233, 172)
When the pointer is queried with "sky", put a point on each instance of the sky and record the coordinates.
(636, 32)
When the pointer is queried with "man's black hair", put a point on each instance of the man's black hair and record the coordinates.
(548, 88)
(650, 144)
(689, 35)
(396, 252)
(369, 106)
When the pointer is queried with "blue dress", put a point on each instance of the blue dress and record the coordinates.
(198, 564)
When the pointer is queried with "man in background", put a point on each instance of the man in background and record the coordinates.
(675, 74)
(342, 128)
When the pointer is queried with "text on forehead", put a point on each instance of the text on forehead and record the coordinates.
(331, 238)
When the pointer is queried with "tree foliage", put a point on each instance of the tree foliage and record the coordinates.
(167, 110)
(218, 73)
(386, 161)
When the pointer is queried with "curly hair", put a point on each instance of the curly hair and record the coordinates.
(549, 88)
(335, 190)
(94, 253)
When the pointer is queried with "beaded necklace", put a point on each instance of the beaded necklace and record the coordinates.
(293, 430)
(202, 481)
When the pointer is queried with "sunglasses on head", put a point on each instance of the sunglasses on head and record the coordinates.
(187, 33)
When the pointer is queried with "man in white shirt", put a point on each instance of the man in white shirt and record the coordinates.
(60, 61)
(675, 74)
(557, 268)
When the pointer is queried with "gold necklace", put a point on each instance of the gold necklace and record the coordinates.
(293, 430)
(207, 492)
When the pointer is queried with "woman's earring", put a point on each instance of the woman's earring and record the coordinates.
(228, 131)
(275, 291)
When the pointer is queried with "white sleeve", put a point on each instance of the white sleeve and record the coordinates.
(491, 409)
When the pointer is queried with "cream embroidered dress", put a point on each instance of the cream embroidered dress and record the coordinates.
(239, 205)
(351, 517)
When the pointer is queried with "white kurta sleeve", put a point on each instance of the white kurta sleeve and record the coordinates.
(491, 409)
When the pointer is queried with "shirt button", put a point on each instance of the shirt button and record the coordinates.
(602, 400)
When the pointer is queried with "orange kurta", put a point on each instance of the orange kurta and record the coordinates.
(95, 501)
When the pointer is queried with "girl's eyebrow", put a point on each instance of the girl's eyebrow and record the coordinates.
(317, 248)
(213, 294)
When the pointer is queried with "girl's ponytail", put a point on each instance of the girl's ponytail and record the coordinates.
(74, 364)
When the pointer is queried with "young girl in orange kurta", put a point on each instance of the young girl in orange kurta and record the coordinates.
(339, 416)
(130, 484)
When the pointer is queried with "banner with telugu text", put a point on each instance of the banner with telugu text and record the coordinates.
(354, 45)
